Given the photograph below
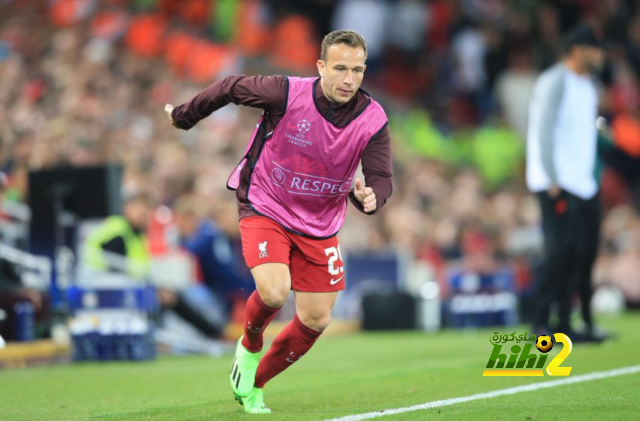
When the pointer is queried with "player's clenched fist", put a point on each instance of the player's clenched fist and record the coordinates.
(167, 109)
(365, 195)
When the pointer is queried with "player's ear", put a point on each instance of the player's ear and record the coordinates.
(321, 67)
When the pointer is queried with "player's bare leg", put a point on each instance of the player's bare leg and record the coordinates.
(314, 308)
(273, 283)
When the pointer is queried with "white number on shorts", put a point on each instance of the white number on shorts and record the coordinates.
(335, 255)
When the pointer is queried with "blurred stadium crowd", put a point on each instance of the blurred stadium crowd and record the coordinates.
(84, 82)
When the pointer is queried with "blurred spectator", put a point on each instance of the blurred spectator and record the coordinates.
(469, 48)
(620, 262)
(633, 43)
(369, 18)
(119, 244)
(625, 158)
(548, 37)
(218, 260)
(12, 292)
(408, 32)
(513, 90)
(497, 153)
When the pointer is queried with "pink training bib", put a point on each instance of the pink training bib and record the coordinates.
(305, 169)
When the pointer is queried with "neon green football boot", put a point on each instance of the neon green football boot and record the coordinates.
(254, 403)
(243, 370)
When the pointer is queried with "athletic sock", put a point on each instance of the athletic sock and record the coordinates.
(257, 317)
(289, 346)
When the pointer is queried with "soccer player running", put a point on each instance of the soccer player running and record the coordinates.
(292, 186)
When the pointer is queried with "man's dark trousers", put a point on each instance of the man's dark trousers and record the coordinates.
(571, 227)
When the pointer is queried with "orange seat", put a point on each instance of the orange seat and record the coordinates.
(68, 12)
(626, 134)
(109, 24)
(253, 36)
(294, 44)
(178, 48)
(205, 61)
(145, 35)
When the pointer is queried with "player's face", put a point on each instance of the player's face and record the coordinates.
(592, 58)
(342, 73)
(138, 212)
(596, 59)
(187, 224)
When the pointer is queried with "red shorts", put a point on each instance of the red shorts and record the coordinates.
(315, 265)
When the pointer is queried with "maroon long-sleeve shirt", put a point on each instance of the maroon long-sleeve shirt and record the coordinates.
(269, 93)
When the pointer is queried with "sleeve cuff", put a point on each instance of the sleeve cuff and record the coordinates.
(176, 121)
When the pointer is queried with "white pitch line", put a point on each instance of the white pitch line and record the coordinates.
(510, 391)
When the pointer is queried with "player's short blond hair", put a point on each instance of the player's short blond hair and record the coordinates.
(351, 38)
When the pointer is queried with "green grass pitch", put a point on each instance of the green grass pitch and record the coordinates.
(340, 376)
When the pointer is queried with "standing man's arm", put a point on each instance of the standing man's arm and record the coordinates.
(550, 95)
(265, 92)
(377, 167)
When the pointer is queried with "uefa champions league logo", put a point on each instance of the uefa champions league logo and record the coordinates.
(303, 126)
(298, 138)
